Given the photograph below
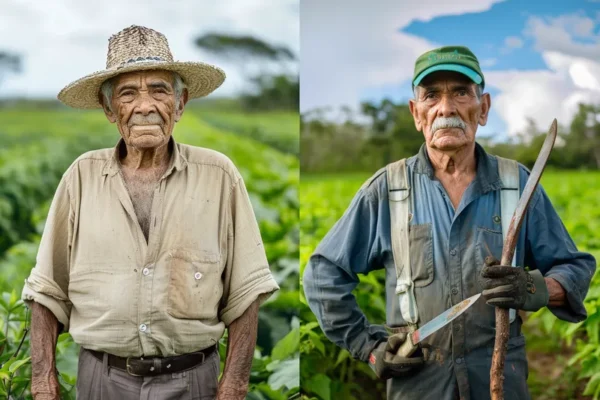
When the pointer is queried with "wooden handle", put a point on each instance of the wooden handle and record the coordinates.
(508, 251)
(408, 348)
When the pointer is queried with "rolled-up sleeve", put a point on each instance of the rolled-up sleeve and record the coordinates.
(247, 275)
(330, 276)
(551, 250)
(49, 279)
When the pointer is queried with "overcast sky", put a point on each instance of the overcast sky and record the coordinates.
(68, 39)
(539, 58)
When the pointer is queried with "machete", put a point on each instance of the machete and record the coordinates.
(496, 372)
(415, 336)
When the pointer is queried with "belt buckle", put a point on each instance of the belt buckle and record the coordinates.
(127, 366)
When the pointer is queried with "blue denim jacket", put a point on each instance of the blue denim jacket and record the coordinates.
(448, 248)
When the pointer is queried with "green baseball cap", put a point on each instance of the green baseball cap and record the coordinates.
(448, 58)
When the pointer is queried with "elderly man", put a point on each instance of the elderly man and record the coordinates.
(150, 249)
(455, 231)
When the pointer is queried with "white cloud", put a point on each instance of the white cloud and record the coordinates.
(572, 76)
(560, 34)
(582, 76)
(488, 62)
(543, 95)
(347, 46)
(513, 42)
(68, 39)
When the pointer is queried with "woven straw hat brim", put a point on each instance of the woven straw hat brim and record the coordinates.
(200, 79)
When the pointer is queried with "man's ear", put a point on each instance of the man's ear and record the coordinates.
(110, 116)
(412, 106)
(486, 103)
(183, 99)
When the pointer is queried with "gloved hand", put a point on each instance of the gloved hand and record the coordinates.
(513, 287)
(386, 364)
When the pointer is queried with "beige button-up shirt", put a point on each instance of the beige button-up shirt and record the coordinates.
(203, 265)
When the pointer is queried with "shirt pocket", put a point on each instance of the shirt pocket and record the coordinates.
(195, 285)
(421, 254)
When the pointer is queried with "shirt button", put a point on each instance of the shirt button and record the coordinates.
(459, 360)
(143, 328)
(145, 271)
(197, 275)
(453, 252)
(455, 291)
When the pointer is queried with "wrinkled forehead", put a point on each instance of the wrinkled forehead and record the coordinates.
(446, 78)
(151, 76)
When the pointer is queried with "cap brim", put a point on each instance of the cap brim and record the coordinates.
(471, 74)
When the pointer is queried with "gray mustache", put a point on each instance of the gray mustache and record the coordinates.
(444, 123)
(150, 119)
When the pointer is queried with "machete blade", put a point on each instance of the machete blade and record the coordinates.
(443, 319)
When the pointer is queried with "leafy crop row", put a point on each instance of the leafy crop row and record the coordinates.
(277, 129)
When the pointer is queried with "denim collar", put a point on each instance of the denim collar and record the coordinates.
(487, 177)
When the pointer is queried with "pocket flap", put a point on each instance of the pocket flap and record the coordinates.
(202, 256)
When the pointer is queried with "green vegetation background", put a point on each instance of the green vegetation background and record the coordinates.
(38, 141)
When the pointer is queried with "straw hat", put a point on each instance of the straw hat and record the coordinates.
(137, 49)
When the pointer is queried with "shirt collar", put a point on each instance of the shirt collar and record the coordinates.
(177, 161)
(487, 176)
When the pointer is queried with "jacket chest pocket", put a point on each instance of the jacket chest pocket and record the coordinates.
(421, 254)
(195, 285)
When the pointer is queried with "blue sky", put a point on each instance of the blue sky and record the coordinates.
(540, 58)
(507, 19)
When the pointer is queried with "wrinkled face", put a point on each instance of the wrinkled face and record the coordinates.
(448, 111)
(144, 108)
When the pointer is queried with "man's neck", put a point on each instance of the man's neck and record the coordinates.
(146, 159)
(455, 163)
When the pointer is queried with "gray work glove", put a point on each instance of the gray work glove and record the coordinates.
(386, 364)
(513, 287)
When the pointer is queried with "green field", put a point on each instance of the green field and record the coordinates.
(564, 359)
(37, 147)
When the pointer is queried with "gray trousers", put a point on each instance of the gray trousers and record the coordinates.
(97, 381)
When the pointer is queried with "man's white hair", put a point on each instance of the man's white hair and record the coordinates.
(108, 87)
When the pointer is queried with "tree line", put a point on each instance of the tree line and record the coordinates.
(388, 133)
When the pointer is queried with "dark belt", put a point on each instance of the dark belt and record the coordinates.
(152, 366)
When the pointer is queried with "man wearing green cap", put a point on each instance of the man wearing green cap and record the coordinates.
(455, 201)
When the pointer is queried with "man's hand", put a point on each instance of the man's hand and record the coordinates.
(45, 389)
(513, 287)
(241, 341)
(386, 364)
